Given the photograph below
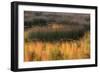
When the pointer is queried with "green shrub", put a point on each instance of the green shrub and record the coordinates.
(56, 35)
(39, 22)
(27, 24)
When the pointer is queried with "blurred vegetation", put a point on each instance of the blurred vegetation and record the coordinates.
(53, 36)
(56, 36)
(39, 22)
(58, 50)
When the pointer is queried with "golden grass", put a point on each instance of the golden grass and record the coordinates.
(61, 50)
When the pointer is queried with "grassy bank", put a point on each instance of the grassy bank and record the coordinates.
(58, 50)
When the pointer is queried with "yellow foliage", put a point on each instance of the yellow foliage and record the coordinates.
(63, 50)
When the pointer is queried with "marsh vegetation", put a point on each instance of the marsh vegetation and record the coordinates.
(56, 36)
